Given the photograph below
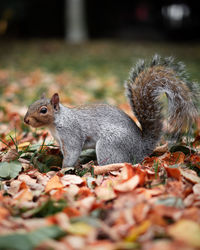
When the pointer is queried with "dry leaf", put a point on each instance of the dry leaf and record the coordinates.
(69, 179)
(105, 193)
(11, 155)
(128, 185)
(107, 168)
(186, 231)
(190, 175)
(53, 183)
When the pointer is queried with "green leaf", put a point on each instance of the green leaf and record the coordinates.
(94, 222)
(47, 208)
(181, 148)
(10, 169)
(171, 202)
(27, 241)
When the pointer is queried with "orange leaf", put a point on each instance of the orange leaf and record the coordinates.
(174, 158)
(150, 161)
(4, 213)
(127, 172)
(24, 195)
(195, 160)
(71, 211)
(53, 183)
(83, 192)
(58, 194)
(128, 185)
(173, 172)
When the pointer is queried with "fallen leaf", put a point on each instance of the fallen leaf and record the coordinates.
(53, 183)
(11, 155)
(4, 213)
(136, 231)
(28, 241)
(190, 175)
(107, 168)
(173, 171)
(161, 149)
(186, 231)
(69, 179)
(174, 158)
(24, 195)
(23, 145)
(195, 160)
(128, 185)
(71, 211)
(80, 228)
(10, 169)
(196, 189)
(105, 193)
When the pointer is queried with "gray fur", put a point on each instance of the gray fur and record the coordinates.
(110, 130)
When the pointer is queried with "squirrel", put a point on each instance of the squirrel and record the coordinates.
(109, 130)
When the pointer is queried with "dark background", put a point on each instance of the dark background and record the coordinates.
(122, 19)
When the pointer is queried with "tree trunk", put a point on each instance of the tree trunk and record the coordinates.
(75, 29)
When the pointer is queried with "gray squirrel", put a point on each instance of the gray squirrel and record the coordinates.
(109, 130)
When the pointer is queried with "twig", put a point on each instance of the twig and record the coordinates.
(107, 168)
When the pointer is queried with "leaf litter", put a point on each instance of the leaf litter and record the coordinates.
(152, 205)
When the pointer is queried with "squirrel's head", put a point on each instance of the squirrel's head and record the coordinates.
(41, 112)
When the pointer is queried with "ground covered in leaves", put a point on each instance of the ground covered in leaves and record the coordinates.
(152, 205)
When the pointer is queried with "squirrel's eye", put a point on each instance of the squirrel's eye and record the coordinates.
(43, 110)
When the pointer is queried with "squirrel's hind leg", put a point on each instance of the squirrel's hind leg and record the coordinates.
(111, 152)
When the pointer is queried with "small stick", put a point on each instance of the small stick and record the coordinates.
(107, 168)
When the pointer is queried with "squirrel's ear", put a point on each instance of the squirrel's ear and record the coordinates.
(55, 101)
(43, 96)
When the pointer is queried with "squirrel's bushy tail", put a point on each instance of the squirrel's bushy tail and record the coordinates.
(143, 88)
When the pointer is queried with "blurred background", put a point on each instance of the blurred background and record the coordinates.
(78, 20)
(84, 49)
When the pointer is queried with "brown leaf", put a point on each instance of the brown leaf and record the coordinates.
(195, 160)
(174, 158)
(161, 149)
(11, 155)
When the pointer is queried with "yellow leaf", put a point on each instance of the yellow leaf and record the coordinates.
(53, 183)
(186, 231)
(80, 228)
(23, 145)
(138, 230)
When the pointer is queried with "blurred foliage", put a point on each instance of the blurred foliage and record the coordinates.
(80, 73)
